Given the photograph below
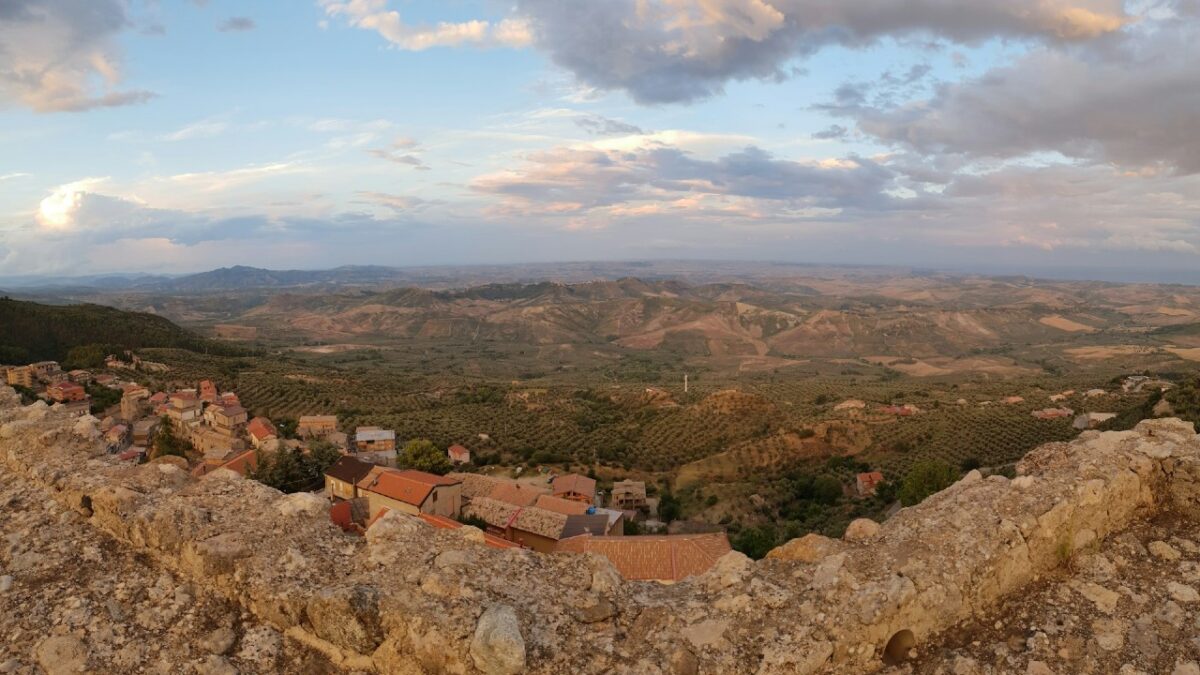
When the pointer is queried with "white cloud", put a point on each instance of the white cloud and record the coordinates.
(59, 210)
(60, 55)
(374, 15)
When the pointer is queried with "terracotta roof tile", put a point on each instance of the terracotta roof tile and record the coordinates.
(566, 507)
(577, 483)
(516, 493)
(410, 487)
(261, 428)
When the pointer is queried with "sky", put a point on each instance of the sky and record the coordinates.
(173, 136)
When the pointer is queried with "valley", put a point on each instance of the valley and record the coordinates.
(792, 380)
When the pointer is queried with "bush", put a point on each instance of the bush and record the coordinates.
(756, 542)
(423, 455)
(926, 478)
(826, 489)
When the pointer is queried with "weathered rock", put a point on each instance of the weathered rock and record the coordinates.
(348, 617)
(810, 548)
(219, 641)
(1161, 549)
(62, 654)
(861, 529)
(302, 504)
(498, 647)
(1181, 593)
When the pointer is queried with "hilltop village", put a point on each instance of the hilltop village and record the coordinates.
(366, 475)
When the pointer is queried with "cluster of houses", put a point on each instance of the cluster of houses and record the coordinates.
(563, 516)
(214, 422)
(48, 380)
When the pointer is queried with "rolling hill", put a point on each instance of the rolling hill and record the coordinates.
(33, 332)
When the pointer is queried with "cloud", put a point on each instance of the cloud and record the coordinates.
(1133, 103)
(402, 151)
(60, 210)
(398, 203)
(61, 56)
(833, 132)
(201, 129)
(570, 181)
(598, 125)
(236, 24)
(667, 51)
(374, 15)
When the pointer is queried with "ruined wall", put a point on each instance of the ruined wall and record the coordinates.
(410, 599)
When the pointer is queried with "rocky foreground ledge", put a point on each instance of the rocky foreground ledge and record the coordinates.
(410, 599)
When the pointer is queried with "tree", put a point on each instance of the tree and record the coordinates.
(167, 443)
(926, 477)
(756, 542)
(826, 489)
(668, 507)
(421, 454)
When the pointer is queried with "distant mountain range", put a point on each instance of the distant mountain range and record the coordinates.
(240, 278)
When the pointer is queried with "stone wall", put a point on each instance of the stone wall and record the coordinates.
(409, 598)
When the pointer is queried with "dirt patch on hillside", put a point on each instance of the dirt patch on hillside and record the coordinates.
(1063, 323)
(937, 367)
(1192, 354)
(330, 349)
(1100, 353)
(732, 401)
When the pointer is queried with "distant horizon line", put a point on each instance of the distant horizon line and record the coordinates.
(1059, 273)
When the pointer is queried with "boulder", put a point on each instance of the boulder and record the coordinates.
(861, 529)
(498, 647)
(810, 548)
(302, 504)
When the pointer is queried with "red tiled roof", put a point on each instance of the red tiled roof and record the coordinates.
(427, 478)
(261, 428)
(410, 487)
(654, 558)
(517, 494)
(458, 453)
(870, 479)
(576, 483)
(243, 463)
(566, 507)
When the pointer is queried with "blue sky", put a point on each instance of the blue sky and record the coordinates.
(181, 136)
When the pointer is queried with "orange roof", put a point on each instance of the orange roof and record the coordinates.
(459, 454)
(261, 428)
(576, 483)
(566, 507)
(410, 487)
(871, 478)
(517, 494)
(654, 558)
(243, 463)
(427, 478)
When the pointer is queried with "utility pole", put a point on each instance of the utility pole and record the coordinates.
(685, 383)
